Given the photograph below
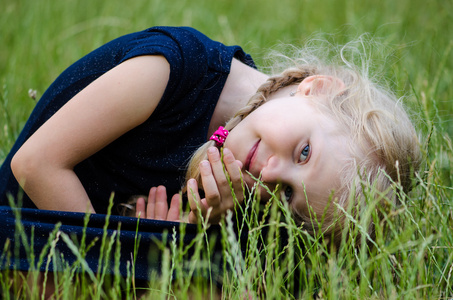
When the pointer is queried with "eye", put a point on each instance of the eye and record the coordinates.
(304, 154)
(288, 193)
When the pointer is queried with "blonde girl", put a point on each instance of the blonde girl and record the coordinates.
(126, 118)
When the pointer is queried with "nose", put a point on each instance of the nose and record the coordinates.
(276, 170)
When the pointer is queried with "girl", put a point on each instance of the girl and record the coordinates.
(130, 115)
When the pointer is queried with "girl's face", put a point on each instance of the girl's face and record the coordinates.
(289, 141)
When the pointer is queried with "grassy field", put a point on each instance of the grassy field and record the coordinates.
(413, 259)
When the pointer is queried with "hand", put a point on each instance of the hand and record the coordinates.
(157, 207)
(218, 194)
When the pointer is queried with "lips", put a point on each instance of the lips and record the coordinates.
(251, 156)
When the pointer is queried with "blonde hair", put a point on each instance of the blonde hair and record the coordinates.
(384, 143)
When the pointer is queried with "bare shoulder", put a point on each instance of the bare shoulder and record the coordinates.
(116, 102)
(142, 76)
(129, 92)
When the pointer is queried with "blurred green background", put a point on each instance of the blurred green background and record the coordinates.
(40, 38)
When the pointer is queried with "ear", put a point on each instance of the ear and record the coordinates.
(320, 85)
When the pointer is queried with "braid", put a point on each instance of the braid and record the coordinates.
(273, 84)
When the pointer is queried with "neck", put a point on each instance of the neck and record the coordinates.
(241, 84)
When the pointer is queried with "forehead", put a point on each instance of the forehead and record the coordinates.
(329, 121)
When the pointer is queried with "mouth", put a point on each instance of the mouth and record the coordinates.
(251, 156)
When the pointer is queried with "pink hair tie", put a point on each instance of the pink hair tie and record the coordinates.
(219, 136)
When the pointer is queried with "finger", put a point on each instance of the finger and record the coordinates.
(194, 197)
(140, 208)
(193, 218)
(218, 171)
(150, 209)
(161, 205)
(233, 168)
(192, 194)
(210, 181)
(239, 164)
(173, 212)
(211, 214)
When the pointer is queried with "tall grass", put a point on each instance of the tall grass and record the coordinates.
(412, 255)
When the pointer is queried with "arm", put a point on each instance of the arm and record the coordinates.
(115, 103)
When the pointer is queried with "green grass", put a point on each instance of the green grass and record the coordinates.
(412, 258)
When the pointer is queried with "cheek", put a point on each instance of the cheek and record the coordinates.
(231, 142)
(300, 206)
(258, 187)
(312, 204)
(241, 132)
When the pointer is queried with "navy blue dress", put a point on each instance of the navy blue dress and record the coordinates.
(154, 153)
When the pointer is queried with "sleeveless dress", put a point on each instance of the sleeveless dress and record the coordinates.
(154, 153)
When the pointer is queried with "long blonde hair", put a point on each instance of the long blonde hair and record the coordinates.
(384, 144)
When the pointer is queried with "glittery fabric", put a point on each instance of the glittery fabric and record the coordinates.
(156, 152)
(139, 240)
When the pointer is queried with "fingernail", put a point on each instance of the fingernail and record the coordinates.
(228, 156)
(191, 182)
(239, 164)
(212, 150)
(205, 168)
